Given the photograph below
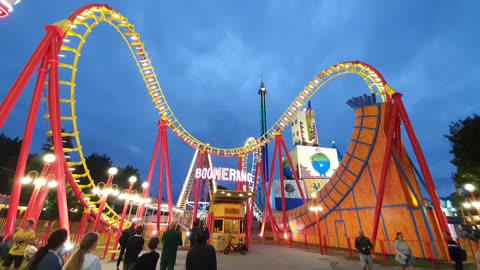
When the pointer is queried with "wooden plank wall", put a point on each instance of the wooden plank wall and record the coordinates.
(349, 199)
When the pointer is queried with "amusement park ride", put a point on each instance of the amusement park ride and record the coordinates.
(6, 6)
(375, 172)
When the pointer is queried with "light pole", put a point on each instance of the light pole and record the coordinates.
(39, 181)
(474, 203)
(316, 208)
(126, 197)
(37, 207)
(105, 192)
(141, 207)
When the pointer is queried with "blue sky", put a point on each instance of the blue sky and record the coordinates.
(209, 56)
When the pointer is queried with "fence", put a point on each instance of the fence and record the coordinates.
(425, 252)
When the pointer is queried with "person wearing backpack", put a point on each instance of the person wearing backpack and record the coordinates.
(126, 234)
(457, 254)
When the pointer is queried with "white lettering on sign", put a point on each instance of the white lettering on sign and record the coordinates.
(223, 174)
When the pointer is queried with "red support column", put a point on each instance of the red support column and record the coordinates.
(252, 204)
(268, 209)
(278, 139)
(22, 80)
(294, 170)
(41, 198)
(55, 114)
(160, 183)
(198, 186)
(432, 190)
(167, 170)
(318, 226)
(103, 202)
(83, 223)
(5, 109)
(35, 192)
(150, 171)
(386, 163)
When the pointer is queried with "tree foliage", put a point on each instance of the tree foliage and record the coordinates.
(98, 165)
(464, 140)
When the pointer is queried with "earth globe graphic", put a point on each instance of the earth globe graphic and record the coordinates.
(287, 171)
(320, 163)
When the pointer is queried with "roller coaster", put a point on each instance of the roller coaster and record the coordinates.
(377, 137)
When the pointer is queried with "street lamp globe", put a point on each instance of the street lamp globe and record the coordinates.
(144, 184)
(469, 187)
(112, 171)
(49, 158)
(132, 179)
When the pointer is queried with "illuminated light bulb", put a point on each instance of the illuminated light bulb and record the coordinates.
(26, 180)
(52, 184)
(112, 171)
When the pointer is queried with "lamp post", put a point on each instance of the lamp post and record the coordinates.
(37, 207)
(473, 203)
(39, 181)
(141, 207)
(111, 173)
(316, 208)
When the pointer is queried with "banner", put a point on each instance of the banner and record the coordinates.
(291, 189)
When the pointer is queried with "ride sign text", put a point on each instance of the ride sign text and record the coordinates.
(223, 174)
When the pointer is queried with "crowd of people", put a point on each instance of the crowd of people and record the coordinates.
(200, 256)
(132, 250)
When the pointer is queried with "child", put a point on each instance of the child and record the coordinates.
(148, 261)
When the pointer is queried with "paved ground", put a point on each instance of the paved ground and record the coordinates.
(275, 257)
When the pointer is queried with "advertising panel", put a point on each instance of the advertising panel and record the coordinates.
(314, 162)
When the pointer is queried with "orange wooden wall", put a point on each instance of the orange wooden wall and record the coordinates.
(349, 199)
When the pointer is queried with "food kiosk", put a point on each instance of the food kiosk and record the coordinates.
(228, 217)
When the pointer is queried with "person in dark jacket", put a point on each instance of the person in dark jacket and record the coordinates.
(454, 251)
(134, 247)
(126, 234)
(202, 256)
(193, 233)
(148, 261)
(364, 247)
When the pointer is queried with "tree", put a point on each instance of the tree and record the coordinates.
(50, 212)
(464, 140)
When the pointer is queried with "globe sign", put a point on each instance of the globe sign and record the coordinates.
(320, 163)
(287, 171)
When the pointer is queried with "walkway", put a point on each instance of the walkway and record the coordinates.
(275, 257)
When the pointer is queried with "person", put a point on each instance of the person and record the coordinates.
(202, 256)
(403, 252)
(133, 248)
(83, 259)
(170, 240)
(454, 251)
(148, 261)
(179, 231)
(126, 234)
(193, 233)
(364, 247)
(205, 228)
(4, 248)
(20, 241)
(46, 257)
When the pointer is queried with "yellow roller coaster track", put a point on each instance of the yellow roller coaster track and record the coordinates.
(82, 22)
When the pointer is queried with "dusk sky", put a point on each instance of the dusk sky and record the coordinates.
(209, 57)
